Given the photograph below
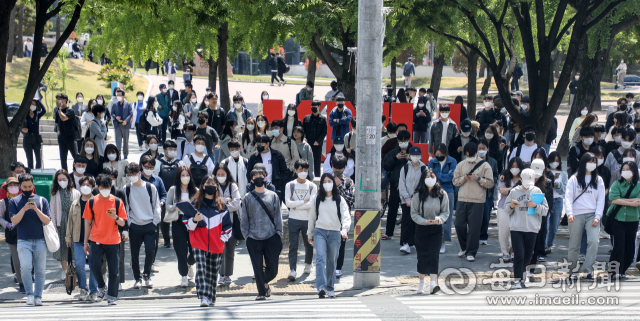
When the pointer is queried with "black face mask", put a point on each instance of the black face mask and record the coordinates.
(340, 106)
(27, 193)
(440, 158)
(201, 121)
(314, 109)
(337, 173)
(210, 190)
(637, 129)
(260, 148)
(258, 181)
(530, 136)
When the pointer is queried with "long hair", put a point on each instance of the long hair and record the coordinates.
(178, 182)
(322, 194)
(423, 189)
(55, 186)
(590, 119)
(496, 135)
(262, 94)
(245, 136)
(111, 148)
(582, 172)
(266, 126)
(216, 198)
(553, 156)
(540, 152)
(179, 110)
(225, 168)
(96, 152)
(633, 167)
(150, 106)
(402, 97)
(227, 129)
(296, 121)
(508, 176)
(459, 100)
(347, 155)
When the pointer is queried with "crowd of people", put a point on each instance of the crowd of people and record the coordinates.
(236, 170)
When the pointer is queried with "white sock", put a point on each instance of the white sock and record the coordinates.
(433, 283)
(422, 282)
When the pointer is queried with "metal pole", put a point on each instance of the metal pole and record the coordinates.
(368, 167)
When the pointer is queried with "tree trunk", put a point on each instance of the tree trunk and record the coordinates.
(472, 66)
(487, 82)
(483, 68)
(551, 79)
(223, 38)
(12, 35)
(213, 73)
(311, 71)
(20, 31)
(436, 75)
(393, 75)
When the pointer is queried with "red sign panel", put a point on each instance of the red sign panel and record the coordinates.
(273, 109)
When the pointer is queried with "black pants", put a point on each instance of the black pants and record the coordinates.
(164, 227)
(624, 245)
(29, 150)
(182, 246)
(112, 253)
(163, 129)
(140, 135)
(392, 213)
(139, 234)
(274, 76)
(468, 222)
(266, 251)
(539, 247)
(514, 84)
(280, 74)
(317, 158)
(340, 261)
(67, 144)
(408, 227)
(522, 243)
(428, 239)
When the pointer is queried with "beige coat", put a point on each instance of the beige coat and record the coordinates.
(73, 224)
(473, 191)
(290, 156)
(56, 205)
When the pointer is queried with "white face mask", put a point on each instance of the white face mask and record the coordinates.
(465, 134)
(206, 103)
(303, 175)
(119, 98)
(85, 190)
(523, 106)
(63, 184)
(482, 153)
(89, 150)
(59, 101)
(577, 77)
(237, 106)
(80, 99)
(488, 136)
(626, 145)
(133, 179)
(200, 148)
(628, 159)
(140, 97)
(235, 153)
(626, 174)
(416, 158)
(554, 165)
(515, 171)
(174, 108)
(80, 170)
(112, 157)
(153, 146)
(221, 179)
(403, 145)
(503, 110)
(33, 107)
(250, 127)
(327, 186)
(420, 105)
(170, 86)
(430, 181)
(237, 128)
(185, 180)
(275, 132)
(617, 139)
(265, 97)
(113, 182)
(100, 101)
(194, 100)
(603, 136)
(261, 123)
(444, 115)
(339, 147)
(172, 154)
(487, 104)
(291, 112)
(269, 133)
(600, 161)
(528, 183)
(148, 172)
(587, 141)
(105, 192)
(156, 104)
(164, 90)
(584, 112)
(591, 167)
(392, 135)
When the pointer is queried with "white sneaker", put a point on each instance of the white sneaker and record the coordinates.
(470, 258)
(516, 286)
(332, 295)
(442, 248)
(111, 302)
(307, 269)
(461, 253)
(221, 280)
(405, 249)
(185, 282)
(137, 285)
(484, 242)
(30, 300)
(119, 286)
(147, 282)
(38, 302)
(93, 297)
(83, 295)
(153, 268)
(338, 273)
(204, 302)
(190, 274)
(420, 288)
(434, 288)
(87, 268)
(292, 275)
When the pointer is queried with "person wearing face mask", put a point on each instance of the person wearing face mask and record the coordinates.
(329, 222)
(600, 135)
(74, 238)
(304, 149)
(544, 181)
(231, 131)
(483, 153)
(511, 180)
(28, 213)
(178, 120)
(191, 107)
(150, 122)
(410, 175)
(274, 162)
(457, 144)
(237, 165)
(170, 70)
(148, 164)
(17, 169)
(87, 116)
(525, 150)
(421, 120)
(164, 107)
(273, 64)
(584, 145)
(185, 95)
(96, 129)
(621, 106)
(315, 129)
(584, 205)
(285, 145)
(139, 106)
(616, 140)
(628, 155)
(239, 113)
(392, 134)
(31, 138)
(67, 127)
(122, 112)
(347, 190)
(144, 212)
(429, 210)
(573, 87)
(559, 189)
(153, 143)
(444, 166)
(112, 159)
(443, 130)
(199, 163)
(614, 159)
(486, 116)
(187, 146)
(393, 163)
(306, 93)
(80, 106)
(11, 189)
(334, 92)
(213, 141)
(217, 117)
(339, 119)
(589, 121)
(635, 113)
(338, 149)
(264, 95)
(167, 167)
(262, 226)
(391, 143)
(523, 226)
(63, 194)
(298, 194)
(290, 120)
(621, 72)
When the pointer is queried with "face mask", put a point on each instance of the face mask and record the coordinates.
(530, 136)
(275, 132)
(420, 105)
(327, 186)
(113, 182)
(628, 159)
(119, 98)
(237, 106)
(33, 107)
(617, 139)
(265, 96)
(626, 174)
(260, 149)
(170, 86)
(14, 190)
(488, 136)
(626, 145)
(188, 135)
(185, 180)
(515, 171)
(172, 154)
(153, 146)
(314, 109)
(206, 103)
(174, 108)
(85, 190)
(525, 107)
(133, 179)
(148, 172)
(89, 150)
(156, 104)
(528, 183)
(261, 123)
(112, 157)
(392, 135)
(487, 104)
(210, 190)
(63, 184)
(164, 90)
(441, 158)
(584, 112)
(303, 175)
(587, 141)
(140, 97)
(503, 110)
(309, 89)
(250, 127)
(291, 112)
(416, 158)
(59, 101)
(258, 181)
(221, 179)
(237, 128)
(591, 167)
(403, 145)
(600, 161)
(194, 100)
(99, 101)
(339, 147)
(554, 164)
(465, 134)
(577, 78)
(200, 148)
(444, 115)
(482, 153)
(80, 170)
(430, 181)
(80, 99)
(105, 192)
(603, 136)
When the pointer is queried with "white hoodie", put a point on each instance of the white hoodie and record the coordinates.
(592, 201)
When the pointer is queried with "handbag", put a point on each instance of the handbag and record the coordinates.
(175, 215)
(613, 211)
(70, 279)
(51, 235)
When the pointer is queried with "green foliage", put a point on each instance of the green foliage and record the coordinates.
(29, 18)
(53, 84)
(63, 67)
(460, 62)
(116, 73)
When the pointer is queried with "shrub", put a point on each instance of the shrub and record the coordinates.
(111, 73)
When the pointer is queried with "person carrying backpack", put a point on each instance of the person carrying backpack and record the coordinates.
(409, 178)
(199, 164)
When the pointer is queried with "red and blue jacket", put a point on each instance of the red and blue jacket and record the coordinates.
(211, 233)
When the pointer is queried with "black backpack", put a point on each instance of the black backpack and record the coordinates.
(93, 215)
(168, 172)
(11, 235)
(337, 207)
(149, 191)
(198, 171)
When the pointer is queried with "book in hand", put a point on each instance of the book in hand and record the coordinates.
(189, 211)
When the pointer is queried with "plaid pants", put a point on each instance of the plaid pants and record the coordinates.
(207, 267)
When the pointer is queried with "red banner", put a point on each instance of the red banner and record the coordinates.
(273, 109)
(402, 113)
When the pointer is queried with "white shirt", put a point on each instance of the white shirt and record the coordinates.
(592, 201)
(299, 210)
(184, 197)
(198, 160)
(189, 147)
(525, 154)
(445, 127)
(76, 180)
(239, 118)
(266, 160)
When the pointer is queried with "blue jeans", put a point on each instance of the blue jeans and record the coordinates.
(488, 205)
(33, 253)
(446, 235)
(547, 147)
(553, 221)
(327, 244)
(80, 260)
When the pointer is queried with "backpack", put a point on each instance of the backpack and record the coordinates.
(149, 191)
(87, 134)
(198, 171)
(406, 169)
(168, 172)
(337, 207)
(11, 235)
(93, 215)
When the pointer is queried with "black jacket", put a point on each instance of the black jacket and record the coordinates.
(553, 132)
(315, 128)
(485, 118)
(280, 175)
(610, 147)
(393, 165)
(457, 142)
(420, 122)
(575, 153)
(175, 96)
(273, 64)
(282, 66)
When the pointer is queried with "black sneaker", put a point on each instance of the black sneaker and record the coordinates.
(101, 294)
(167, 245)
(322, 293)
